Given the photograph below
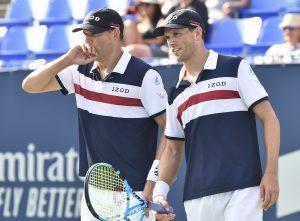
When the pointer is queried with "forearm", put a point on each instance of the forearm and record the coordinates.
(169, 163)
(272, 143)
(161, 122)
(161, 147)
(39, 79)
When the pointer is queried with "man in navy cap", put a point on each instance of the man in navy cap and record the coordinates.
(120, 99)
(212, 111)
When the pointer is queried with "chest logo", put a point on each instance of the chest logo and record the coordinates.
(156, 81)
(217, 84)
(120, 90)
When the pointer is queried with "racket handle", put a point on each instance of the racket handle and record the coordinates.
(159, 208)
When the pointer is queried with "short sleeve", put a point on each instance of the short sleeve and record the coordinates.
(153, 93)
(65, 78)
(174, 130)
(249, 87)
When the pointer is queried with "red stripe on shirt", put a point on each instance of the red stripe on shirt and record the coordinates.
(106, 98)
(207, 96)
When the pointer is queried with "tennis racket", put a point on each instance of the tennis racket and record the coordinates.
(109, 196)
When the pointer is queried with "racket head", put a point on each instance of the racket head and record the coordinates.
(105, 192)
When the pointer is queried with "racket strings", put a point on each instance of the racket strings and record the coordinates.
(107, 195)
(106, 178)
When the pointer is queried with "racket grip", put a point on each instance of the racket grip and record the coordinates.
(159, 208)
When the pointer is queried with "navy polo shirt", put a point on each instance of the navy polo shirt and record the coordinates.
(116, 124)
(214, 116)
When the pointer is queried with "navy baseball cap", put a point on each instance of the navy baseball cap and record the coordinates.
(101, 20)
(182, 18)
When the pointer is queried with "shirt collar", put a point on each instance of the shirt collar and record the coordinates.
(121, 65)
(210, 64)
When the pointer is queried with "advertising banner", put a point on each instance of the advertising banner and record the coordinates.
(39, 149)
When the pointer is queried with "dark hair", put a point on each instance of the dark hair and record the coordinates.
(121, 35)
(157, 12)
(157, 15)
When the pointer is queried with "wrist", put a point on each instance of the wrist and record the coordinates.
(271, 172)
(161, 189)
(153, 172)
(66, 60)
(271, 169)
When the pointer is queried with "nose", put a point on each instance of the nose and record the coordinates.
(171, 41)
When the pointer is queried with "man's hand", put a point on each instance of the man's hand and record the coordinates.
(147, 193)
(163, 217)
(81, 54)
(269, 189)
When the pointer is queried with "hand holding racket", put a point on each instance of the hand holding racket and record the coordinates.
(109, 196)
(164, 217)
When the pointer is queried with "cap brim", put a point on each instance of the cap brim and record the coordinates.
(160, 31)
(284, 25)
(92, 28)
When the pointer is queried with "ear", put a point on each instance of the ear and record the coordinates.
(199, 33)
(116, 33)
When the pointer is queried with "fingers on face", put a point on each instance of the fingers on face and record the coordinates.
(84, 49)
(89, 50)
(93, 51)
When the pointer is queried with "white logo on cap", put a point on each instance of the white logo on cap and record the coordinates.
(174, 17)
(92, 17)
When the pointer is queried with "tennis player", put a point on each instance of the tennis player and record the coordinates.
(120, 100)
(212, 111)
